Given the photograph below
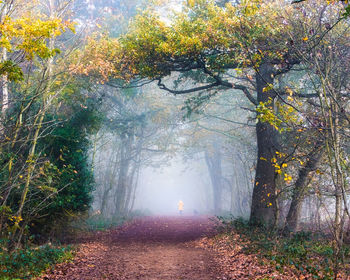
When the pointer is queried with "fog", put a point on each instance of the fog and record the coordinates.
(160, 189)
(163, 156)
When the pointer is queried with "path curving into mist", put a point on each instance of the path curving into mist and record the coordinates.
(146, 248)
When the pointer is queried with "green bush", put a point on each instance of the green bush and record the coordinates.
(61, 184)
(67, 149)
(30, 262)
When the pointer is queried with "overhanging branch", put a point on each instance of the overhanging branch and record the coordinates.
(186, 91)
(246, 93)
(221, 82)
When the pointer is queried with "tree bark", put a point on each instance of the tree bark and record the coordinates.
(213, 161)
(263, 209)
(133, 198)
(293, 216)
(5, 93)
(109, 183)
(123, 175)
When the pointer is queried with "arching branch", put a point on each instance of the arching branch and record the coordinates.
(186, 91)
(221, 82)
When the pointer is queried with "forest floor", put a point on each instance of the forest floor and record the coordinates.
(180, 248)
(145, 248)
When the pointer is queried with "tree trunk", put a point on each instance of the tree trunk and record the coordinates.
(109, 181)
(123, 175)
(108, 186)
(233, 192)
(263, 209)
(133, 198)
(5, 93)
(293, 216)
(213, 161)
(134, 175)
(130, 187)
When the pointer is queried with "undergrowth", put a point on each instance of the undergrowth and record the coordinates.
(306, 253)
(30, 262)
(100, 223)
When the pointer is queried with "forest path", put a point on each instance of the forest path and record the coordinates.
(146, 248)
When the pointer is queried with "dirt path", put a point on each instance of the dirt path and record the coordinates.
(147, 248)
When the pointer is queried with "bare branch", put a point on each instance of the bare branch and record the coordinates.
(246, 93)
(186, 91)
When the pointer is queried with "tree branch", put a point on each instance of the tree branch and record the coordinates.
(227, 120)
(246, 93)
(186, 91)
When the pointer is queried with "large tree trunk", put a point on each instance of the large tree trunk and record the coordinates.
(263, 209)
(293, 216)
(213, 160)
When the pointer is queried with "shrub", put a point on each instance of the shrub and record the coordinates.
(30, 262)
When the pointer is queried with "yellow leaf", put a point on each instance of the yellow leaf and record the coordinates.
(10, 165)
(289, 91)
(191, 3)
